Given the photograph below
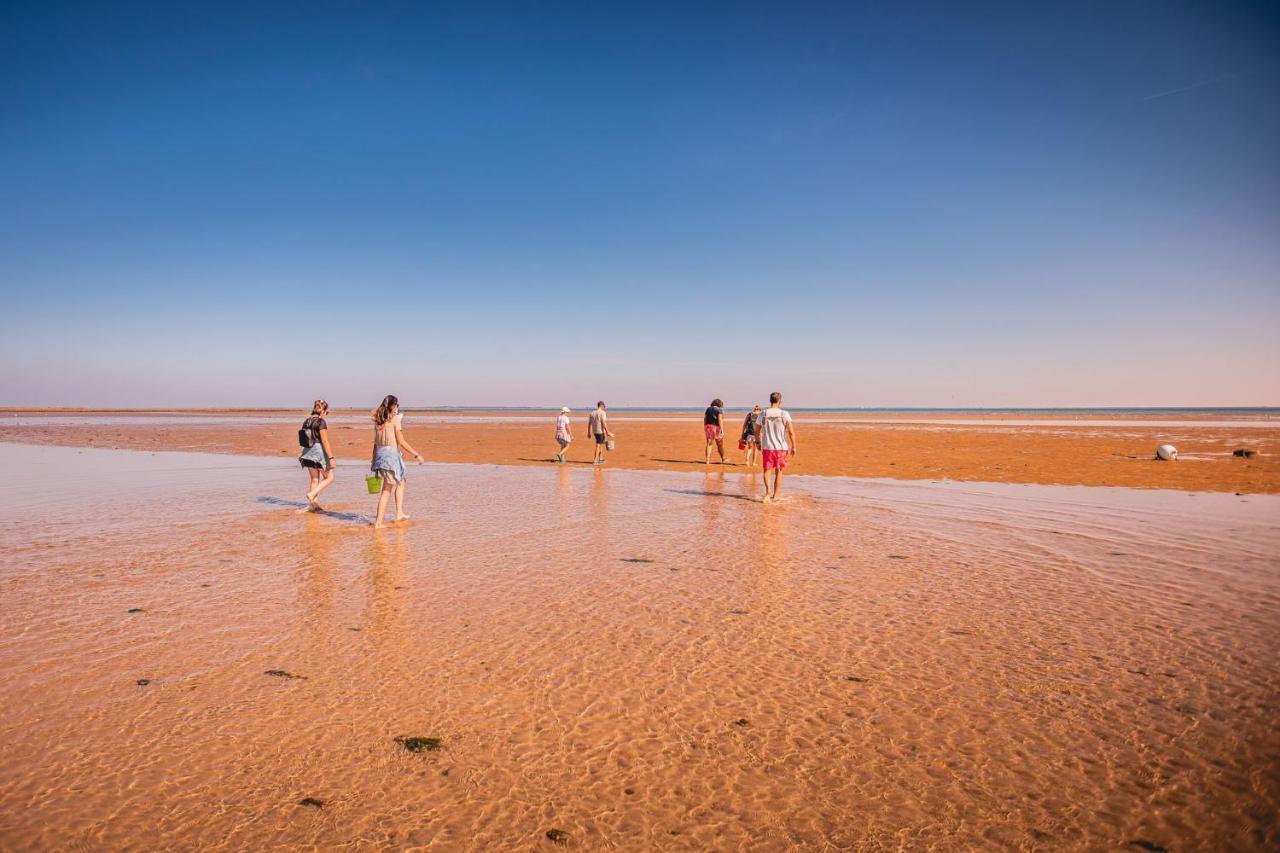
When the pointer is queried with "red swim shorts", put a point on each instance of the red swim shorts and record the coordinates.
(776, 459)
(713, 432)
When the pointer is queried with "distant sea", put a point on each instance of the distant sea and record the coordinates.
(1218, 411)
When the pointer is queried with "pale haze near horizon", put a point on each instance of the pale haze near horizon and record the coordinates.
(857, 206)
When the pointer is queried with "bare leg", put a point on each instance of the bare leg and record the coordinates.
(400, 516)
(314, 474)
(720, 449)
(382, 504)
(317, 488)
(777, 482)
(768, 495)
(707, 461)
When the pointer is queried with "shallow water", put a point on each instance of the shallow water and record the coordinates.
(640, 659)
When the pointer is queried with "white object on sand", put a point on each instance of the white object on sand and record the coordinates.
(1167, 452)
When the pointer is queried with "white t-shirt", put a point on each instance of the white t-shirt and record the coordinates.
(562, 426)
(773, 429)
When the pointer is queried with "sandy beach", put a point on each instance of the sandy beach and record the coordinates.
(1093, 450)
(636, 659)
(281, 575)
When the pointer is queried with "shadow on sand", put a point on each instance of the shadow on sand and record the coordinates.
(553, 461)
(340, 516)
(705, 493)
(697, 462)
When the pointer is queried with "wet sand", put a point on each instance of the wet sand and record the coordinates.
(640, 660)
(1049, 449)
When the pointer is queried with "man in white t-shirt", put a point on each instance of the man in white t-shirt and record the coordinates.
(777, 443)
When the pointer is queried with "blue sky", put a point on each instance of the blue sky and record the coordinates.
(879, 204)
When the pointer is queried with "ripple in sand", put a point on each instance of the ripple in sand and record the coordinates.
(311, 801)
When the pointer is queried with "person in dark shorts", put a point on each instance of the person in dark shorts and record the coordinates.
(318, 457)
(713, 428)
(598, 426)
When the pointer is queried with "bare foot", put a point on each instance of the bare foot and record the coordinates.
(402, 517)
(378, 525)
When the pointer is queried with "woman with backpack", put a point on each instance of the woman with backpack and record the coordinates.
(317, 456)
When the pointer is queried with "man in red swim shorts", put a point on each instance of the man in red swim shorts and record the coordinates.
(777, 442)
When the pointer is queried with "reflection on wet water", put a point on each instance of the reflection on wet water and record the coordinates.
(639, 659)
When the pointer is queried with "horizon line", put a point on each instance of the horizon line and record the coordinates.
(7, 409)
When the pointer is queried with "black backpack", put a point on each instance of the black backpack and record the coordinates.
(305, 437)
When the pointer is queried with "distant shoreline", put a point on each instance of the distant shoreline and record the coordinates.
(1072, 447)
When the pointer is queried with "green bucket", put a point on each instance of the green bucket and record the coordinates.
(374, 483)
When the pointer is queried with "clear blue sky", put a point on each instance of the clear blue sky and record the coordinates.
(861, 204)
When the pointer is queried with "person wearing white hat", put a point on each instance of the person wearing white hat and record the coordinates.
(564, 433)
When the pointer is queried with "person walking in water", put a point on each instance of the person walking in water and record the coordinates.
(777, 442)
(749, 442)
(713, 428)
(564, 433)
(387, 461)
(598, 425)
(317, 457)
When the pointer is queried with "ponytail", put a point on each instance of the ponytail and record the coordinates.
(382, 414)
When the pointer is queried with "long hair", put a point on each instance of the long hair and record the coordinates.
(319, 407)
(382, 414)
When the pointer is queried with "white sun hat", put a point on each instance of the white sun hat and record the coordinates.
(564, 410)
